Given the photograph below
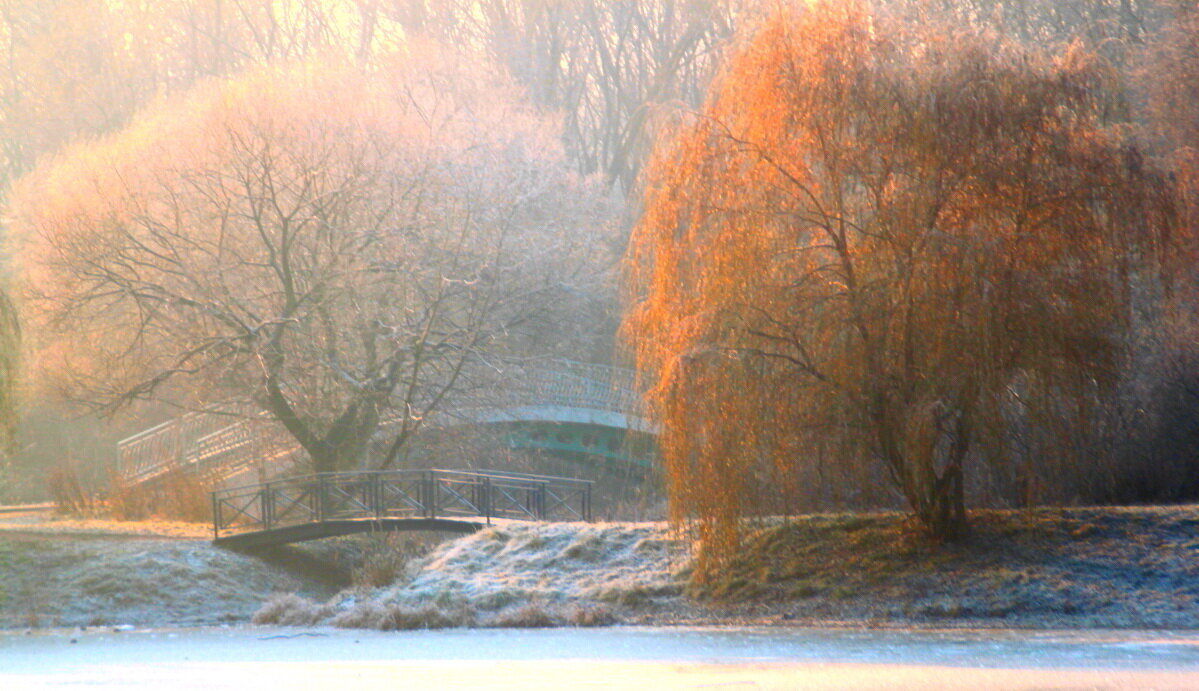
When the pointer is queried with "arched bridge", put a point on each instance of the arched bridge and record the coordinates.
(331, 504)
(558, 405)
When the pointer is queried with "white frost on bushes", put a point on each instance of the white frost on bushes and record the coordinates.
(552, 565)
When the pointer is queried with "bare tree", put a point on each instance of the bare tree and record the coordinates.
(335, 246)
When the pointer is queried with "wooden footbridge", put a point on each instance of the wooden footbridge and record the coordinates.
(331, 504)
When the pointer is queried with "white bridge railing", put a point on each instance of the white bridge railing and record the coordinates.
(225, 442)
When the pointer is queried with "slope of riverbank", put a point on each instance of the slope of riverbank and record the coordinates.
(58, 571)
(112, 581)
(1047, 568)
(519, 575)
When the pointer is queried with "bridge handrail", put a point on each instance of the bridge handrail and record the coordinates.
(318, 476)
(523, 476)
(149, 431)
(530, 478)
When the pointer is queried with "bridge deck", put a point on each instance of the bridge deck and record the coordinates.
(347, 526)
(332, 504)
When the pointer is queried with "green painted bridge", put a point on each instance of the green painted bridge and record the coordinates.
(587, 412)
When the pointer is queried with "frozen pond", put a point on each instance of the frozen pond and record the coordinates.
(621, 657)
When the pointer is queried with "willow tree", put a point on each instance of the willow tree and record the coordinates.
(878, 243)
(338, 247)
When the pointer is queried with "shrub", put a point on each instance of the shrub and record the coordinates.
(527, 616)
(174, 495)
(69, 494)
(385, 558)
(369, 615)
(291, 610)
(589, 615)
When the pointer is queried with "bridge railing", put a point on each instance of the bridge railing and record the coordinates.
(174, 443)
(579, 385)
(390, 494)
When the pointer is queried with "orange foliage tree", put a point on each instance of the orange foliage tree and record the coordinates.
(880, 243)
(336, 246)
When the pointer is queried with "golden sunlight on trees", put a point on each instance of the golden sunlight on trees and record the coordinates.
(334, 245)
(75, 68)
(57, 78)
(880, 243)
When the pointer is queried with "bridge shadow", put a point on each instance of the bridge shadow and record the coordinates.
(313, 568)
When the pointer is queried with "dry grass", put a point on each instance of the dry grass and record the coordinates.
(530, 615)
(175, 495)
(385, 559)
(70, 495)
(588, 615)
(291, 610)
(390, 617)
(526, 616)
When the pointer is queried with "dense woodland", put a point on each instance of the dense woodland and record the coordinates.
(930, 254)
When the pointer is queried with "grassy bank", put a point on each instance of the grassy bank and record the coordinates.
(1129, 567)
(1123, 568)
(1119, 567)
(56, 580)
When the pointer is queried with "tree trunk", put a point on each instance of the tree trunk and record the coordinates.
(324, 462)
(945, 513)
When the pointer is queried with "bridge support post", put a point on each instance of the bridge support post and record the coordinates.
(486, 503)
(429, 485)
(376, 495)
(216, 516)
(267, 502)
